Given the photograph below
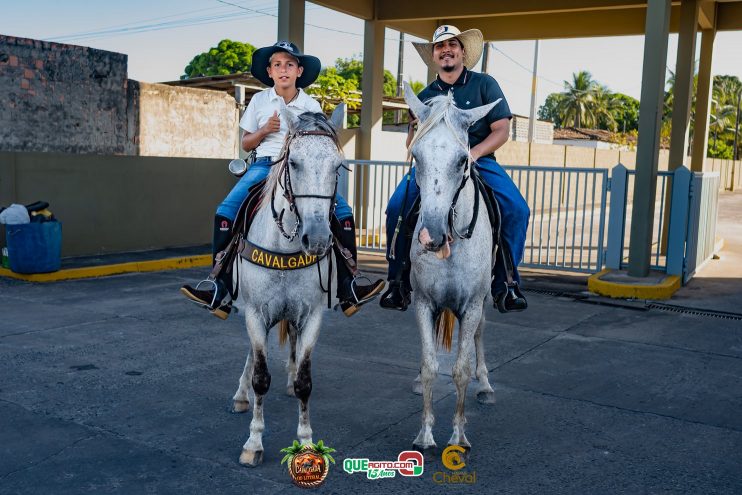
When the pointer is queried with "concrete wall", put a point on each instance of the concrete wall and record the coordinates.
(118, 203)
(519, 130)
(62, 98)
(513, 153)
(547, 155)
(577, 156)
(186, 122)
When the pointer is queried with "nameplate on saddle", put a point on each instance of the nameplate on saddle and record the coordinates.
(276, 261)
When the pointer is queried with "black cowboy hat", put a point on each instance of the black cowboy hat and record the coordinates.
(262, 56)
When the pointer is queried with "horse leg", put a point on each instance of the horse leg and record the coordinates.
(291, 363)
(485, 394)
(462, 373)
(417, 386)
(303, 382)
(252, 451)
(241, 399)
(428, 371)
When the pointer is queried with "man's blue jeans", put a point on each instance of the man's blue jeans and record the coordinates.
(258, 171)
(513, 209)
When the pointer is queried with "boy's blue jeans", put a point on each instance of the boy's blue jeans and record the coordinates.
(258, 171)
(513, 208)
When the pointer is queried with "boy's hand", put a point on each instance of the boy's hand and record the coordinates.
(273, 124)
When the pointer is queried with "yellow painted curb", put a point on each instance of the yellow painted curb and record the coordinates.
(115, 269)
(662, 290)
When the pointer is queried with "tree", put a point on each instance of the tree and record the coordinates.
(332, 86)
(577, 106)
(550, 109)
(228, 57)
(626, 112)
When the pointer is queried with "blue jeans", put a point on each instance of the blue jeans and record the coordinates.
(513, 208)
(257, 172)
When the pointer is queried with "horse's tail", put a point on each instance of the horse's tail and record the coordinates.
(283, 332)
(444, 328)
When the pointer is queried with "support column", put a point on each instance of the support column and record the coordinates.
(291, 22)
(372, 86)
(703, 102)
(647, 154)
(684, 68)
(534, 80)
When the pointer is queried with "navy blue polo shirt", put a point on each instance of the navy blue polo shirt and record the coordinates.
(473, 89)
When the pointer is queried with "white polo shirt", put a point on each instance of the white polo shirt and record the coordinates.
(261, 108)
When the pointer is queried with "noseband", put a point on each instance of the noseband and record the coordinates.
(288, 190)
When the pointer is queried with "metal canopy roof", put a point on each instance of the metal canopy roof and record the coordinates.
(531, 19)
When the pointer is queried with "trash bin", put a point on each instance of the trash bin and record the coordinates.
(34, 247)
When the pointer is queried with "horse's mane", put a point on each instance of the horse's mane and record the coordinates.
(441, 107)
(307, 121)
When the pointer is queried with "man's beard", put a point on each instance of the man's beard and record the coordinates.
(448, 68)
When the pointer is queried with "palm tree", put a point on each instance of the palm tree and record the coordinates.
(605, 107)
(577, 104)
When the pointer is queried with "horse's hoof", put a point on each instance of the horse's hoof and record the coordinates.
(424, 448)
(417, 388)
(251, 458)
(290, 391)
(486, 397)
(240, 406)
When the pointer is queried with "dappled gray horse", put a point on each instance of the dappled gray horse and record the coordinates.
(451, 272)
(294, 217)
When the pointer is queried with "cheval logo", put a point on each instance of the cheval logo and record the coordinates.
(408, 463)
(452, 459)
(308, 464)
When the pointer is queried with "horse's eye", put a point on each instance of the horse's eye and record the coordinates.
(293, 164)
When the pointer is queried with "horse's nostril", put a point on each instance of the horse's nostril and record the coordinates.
(305, 240)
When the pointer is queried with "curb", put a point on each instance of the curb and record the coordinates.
(663, 290)
(115, 269)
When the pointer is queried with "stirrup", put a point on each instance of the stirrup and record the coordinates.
(208, 281)
(511, 293)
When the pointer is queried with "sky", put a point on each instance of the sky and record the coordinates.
(160, 38)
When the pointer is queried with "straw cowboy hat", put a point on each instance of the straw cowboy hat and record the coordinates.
(262, 56)
(471, 40)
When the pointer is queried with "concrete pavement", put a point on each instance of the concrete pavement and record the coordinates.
(119, 385)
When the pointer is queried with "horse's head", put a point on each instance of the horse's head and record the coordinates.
(441, 152)
(310, 175)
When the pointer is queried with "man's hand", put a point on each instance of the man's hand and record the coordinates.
(273, 124)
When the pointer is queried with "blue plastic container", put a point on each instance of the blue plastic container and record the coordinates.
(34, 247)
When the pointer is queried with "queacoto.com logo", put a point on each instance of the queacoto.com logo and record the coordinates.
(408, 463)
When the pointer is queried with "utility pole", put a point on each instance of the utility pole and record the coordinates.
(486, 58)
(400, 76)
(532, 115)
(735, 152)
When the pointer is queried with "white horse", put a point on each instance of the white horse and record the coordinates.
(451, 262)
(299, 193)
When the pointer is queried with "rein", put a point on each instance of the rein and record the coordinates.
(288, 194)
(424, 128)
(288, 190)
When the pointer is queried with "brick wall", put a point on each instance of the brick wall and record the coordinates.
(62, 98)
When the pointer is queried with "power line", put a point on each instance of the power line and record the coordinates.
(526, 68)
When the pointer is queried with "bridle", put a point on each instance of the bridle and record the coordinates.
(288, 190)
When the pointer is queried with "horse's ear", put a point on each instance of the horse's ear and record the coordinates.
(418, 108)
(288, 116)
(471, 116)
(337, 119)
